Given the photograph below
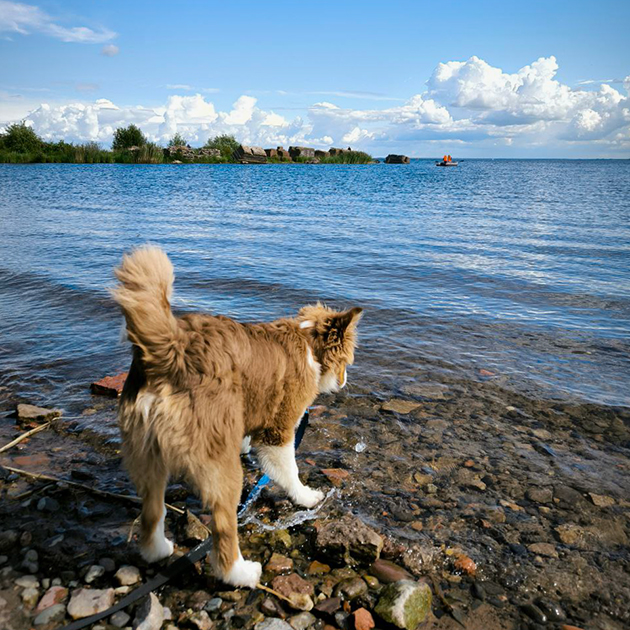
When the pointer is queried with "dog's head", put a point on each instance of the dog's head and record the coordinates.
(333, 337)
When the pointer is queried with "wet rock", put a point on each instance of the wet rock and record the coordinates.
(567, 497)
(213, 605)
(551, 610)
(543, 549)
(127, 575)
(272, 608)
(347, 539)
(280, 539)
(388, 572)
(31, 413)
(30, 597)
(94, 572)
(192, 531)
(336, 476)
(302, 621)
(570, 534)
(601, 500)
(533, 612)
(119, 619)
(279, 564)
(85, 602)
(272, 624)
(52, 615)
(404, 604)
(342, 619)
(47, 504)
(54, 595)
(8, 539)
(469, 479)
(363, 619)
(465, 564)
(287, 585)
(111, 386)
(200, 620)
(398, 405)
(350, 589)
(318, 568)
(150, 614)
(540, 495)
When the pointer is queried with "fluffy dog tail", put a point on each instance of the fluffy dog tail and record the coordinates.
(146, 284)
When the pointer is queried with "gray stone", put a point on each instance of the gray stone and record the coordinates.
(302, 621)
(213, 605)
(108, 564)
(30, 597)
(93, 573)
(40, 414)
(405, 603)
(540, 495)
(350, 589)
(85, 602)
(347, 539)
(27, 581)
(31, 555)
(127, 575)
(200, 620)
(119, 619)
(272, 624)
(396, 159)
(47, 504)
(150, 614)
(52, 614)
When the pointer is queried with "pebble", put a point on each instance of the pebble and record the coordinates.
(47, 504)
(272, 608)
(213, 605)
(279, 564)
(93, 573)
(406, 604)
(27, 581)
(54, 595)
(387, 572)
(119, 619)
(289, 585)
(85, 602)
(302, 621)
(200, 620)
(540, 495)
(398, 405)
(127, 575)
(533, 612)
(52, 614)
(318, 568)
(30, 596)
(543, 549)
(150, 614)
(108, 564)
(272, 624)
(601, 500)
(350, 589)
(551, 610)
(363, 619)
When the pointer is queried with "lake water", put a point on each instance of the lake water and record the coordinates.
(516, 268)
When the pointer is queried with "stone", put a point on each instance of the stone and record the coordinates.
(540, 495)
(272, 608)
(85, 602)
(328, 607)
(272, 624)
(93, 573)
(213, 604)
(30, 597)
(398, 405)
(119, 619)
(568, 497)
(279, 563)
(8, 538)
(318, 568)
(601, 500)
(111, 386)
(349, 539)
(570, 534)
(150, 614)
(287, 585)
(200, 620)
(392, 158)
(108, 564)
(543, 549)
(465, 564)
(551, 610)
(192, 529)
(47, 504)
(336, 475)
(363, 619)
(31, 413)
(301, 152)
(54, 595)
(405, 604)
(350, 589)
(250, 155)
(127, 575)
(533, 612)
(388, 572)
(27, 581)
(52, 614)
(302, 621)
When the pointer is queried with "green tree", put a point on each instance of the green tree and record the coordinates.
(177, 141)
(20, 138)
(125, 137)
(226, 144)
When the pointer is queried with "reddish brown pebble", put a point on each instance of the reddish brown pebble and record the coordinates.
(363, 620)
(110, 385)
(469, 463)
(279, 564)
(486, 372)
(566, 627)
(465, 565)
(336, 475)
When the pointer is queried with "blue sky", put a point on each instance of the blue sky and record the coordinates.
(415, 77)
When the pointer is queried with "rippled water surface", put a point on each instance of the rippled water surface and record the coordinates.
(520, 268)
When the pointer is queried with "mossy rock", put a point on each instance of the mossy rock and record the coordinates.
(405, 603)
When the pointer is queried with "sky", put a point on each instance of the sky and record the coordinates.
(472, 79)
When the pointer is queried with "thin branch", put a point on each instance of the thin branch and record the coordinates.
(17, 440)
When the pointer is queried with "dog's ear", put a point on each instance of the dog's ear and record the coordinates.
(347, 319)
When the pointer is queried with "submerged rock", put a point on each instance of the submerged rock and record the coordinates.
(405, 603)
(348, 540)
(36, 414)
(388, 572)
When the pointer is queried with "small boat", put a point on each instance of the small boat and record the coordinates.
(443, 163)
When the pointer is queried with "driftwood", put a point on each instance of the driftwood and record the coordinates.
(17, 440)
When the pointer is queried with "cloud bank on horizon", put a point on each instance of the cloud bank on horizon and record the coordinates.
(465, 103)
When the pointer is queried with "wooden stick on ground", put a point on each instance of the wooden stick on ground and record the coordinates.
(17, 440)
(82, 486)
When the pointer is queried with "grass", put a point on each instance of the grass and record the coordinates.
(348, 157)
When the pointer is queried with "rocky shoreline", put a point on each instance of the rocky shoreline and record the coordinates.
(451, 505)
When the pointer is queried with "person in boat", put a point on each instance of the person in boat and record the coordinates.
(448, 158)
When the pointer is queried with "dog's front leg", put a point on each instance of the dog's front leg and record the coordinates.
(278, 462)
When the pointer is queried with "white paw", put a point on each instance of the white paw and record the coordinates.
(243, 573)
(308, 497)
(246, 445)
(158, 549)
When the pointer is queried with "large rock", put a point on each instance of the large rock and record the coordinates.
(127, 575)
(54, 595)
(250, 155)
(31, 413)
(111, 386)
(150, 614)
(392, 158)
(301, 152)
(404, 604)
(349, 540)
(388, 572)
(52, 614)
(85, 602)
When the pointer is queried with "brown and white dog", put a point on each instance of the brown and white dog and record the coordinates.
(199, 384)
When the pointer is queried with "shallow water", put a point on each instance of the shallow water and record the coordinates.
(520, 268)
